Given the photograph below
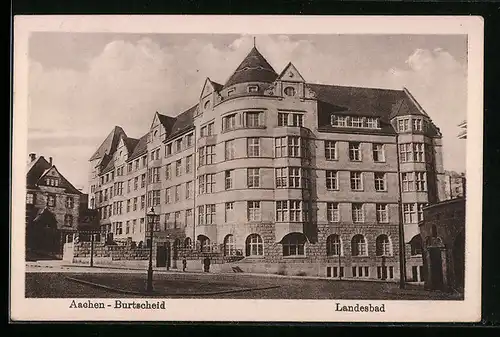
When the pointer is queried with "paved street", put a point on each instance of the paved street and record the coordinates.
(60, 283)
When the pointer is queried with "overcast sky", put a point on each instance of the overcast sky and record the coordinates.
(83, 84)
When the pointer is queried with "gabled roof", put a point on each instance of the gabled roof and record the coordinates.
(36, 169)
(166, 121)
(130, 144)
(183, 122)
(110, 143)
(39, 168)
(140, 148)
(254, 68)
(110, 167)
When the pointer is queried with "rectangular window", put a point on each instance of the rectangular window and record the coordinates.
(293, 146)
(128, 205)
(371, 123)
(51, 200)
(143, 180)
(357, 212)
(282, 119)
(409, 213)
(380, 182)
(297, 120)
(210, 214)
(228, 183)
(332, 182)
(189, 140)
(177, 220)
(332, 212)
(229, 122)
(339, 120)
(156, 174)
(420, 211)
(136, 183)
(142, 201)
(281, 177)
(382, 213)
(280, 147)
(189, 163)
(134, 225)
(253, 146)
(178, 145)
(229, 149)
(330, 150)
(420, 181)
(189, 189)
(417, 124)
(229, 216)
(129, 168)
(252, 119)
(127, 227)
(407, 181)
(188, 217)
(404, 125)
(282, 211)
(418, 152)
(206, 183)
(405, 152)
(354, 151)
(134, 207)
(168, 150)
(356, 122)
(30, 198)
(378, 153)
(253, 210)
(253, 177)
(210, 154)
(178, 168)
(356, 181)
(144, 161)
(177, 195)
(294, 177)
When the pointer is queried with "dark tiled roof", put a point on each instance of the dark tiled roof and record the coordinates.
(130, 144)
(141, 148)
(217, 86)
(183, 122)
(110, 167)
(110, 143)
(39, 168)
(35, 170)
(166, 121)
(254, 68)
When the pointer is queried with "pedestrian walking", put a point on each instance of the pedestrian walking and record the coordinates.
(206, 264)
(184, 263)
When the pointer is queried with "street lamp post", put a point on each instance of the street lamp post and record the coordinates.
(151, 215)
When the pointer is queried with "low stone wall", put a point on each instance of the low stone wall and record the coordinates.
(106, 253)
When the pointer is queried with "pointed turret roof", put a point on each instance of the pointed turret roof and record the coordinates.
(110, 143)
(254, 68)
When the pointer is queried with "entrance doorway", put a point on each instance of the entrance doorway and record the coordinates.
(436, 268)
(163, 255)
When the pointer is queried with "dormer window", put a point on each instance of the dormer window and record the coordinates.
(356, 122)
(371, 123)
(339, 120)
(51, 182)
(404, 125)
(231, 92)
(253, 88)
(289, 91)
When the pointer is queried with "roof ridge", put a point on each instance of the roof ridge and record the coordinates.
(354, 87)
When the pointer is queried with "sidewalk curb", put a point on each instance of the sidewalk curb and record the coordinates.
(143, 293)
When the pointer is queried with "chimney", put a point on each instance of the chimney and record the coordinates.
(50, 161)
(32, 157)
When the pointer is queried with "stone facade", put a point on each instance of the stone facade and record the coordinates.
(284, 163)
(443, 236)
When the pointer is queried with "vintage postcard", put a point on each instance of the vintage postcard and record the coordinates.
(247, 168)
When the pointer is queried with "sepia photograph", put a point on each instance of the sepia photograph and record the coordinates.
(164, 166)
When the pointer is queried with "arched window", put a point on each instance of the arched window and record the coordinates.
(254, 245)
(187, 242)
(333, 245)
(294, 244)
(434, 231)
(383, 246)
(204, 243)
(416, 245)
(358, 245)
(290, 91)
(229, 245)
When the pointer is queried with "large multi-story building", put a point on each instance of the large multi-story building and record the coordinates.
(289, 174)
